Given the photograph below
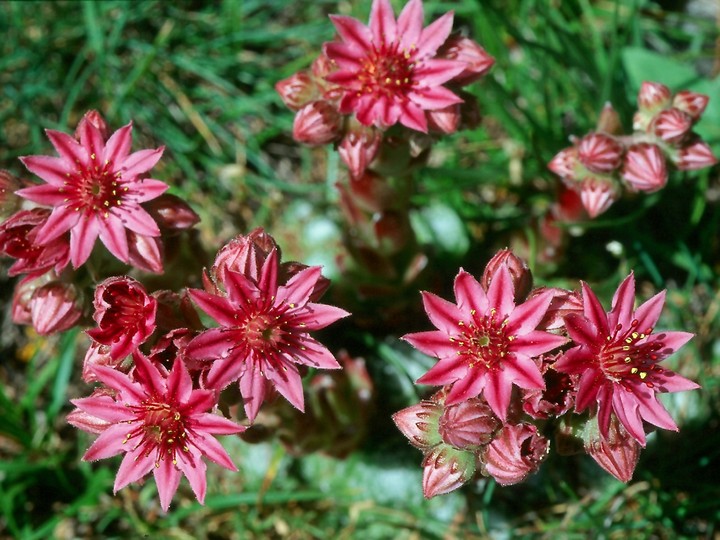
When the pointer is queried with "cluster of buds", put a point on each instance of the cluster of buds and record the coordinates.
(163, 374)
(511, 357)
(94, 189)
(599, 165)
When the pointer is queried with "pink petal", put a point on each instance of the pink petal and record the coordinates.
(148, 376)
(103, 407)
(382, 22)
(431, 99)
(593, 310)
(210, 344)
(216, 306)
(46, 194)
(651, 410)
(68, 148)
(92, 140)
(469, 294)
(167, 478)
(148, 189)
(109, 443)
(625, 405)
(214, 451)
(430, 74)
(134, 466)
(118, 145)
(671, 341)
(501, 292)
(409, 24)
(139, 162)
(347, 57)
(82, 239)
(669, 381)
(213, 423)
(648, 313)
(268, 281)
(114, 237)
(179, 383)
(318, 316)
(590, 383)
(242, 292)
(536, 343)
(435, 35)
(582, 331)
(623, 304)
(576, 360)
(526, 316)
(605, 408)
(137, 220)
(497, 394)
(524, 373)
(468, 387)
(195, 471)
(252, 388)
(412, 116)
(352, 31)
(443, 314)
(287, 381)
(129, 391)
(60, 221)
(446, 371)
(51, 169)
(316, 355)
(433, 343)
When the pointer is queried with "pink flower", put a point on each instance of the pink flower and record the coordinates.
(263, 333)
(617, 357)
(485, 343)
(644, 168)
(95, 188)
(297, 90)
(388, 71)
(161, 425)
(125, 315)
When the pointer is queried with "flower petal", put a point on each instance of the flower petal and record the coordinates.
(167, 478)
(51, 169)
(433, 343)
(430, 74)
(139, 163)
(353, 32)
(623, 304)
(114, 237)
(108, 444)
(137, 220)
(410, 24)
(593, 310)
(497, 393)
(46, 194)
(287, 381)
(382, 22)
(252, 388)
(134, 466)
(648, 313)
(82, 239)
(446, 371)
(501, 292)
(434, 35)
(68, 148)
(118, 145)
(443, 314)
(469, 294)
(60, 221)
(216, 306)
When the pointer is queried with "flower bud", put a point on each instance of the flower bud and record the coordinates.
(97, 355)
(516, 452)
(609, 120)
(171, 213)
(671, 125)
(371, 192)
(358, 148)
(444, 120)
(446, 469)
(618, 454)
(470, 423)
(245, 254)
(695, 155)
(644, 168)
(297, 90)
(565, 163)
(145, 252)
(419, 423)
(22, 296)
(462, 49)
(653, 97)
(317, 123)
(600, 153)
(17, 240)
(55, 307)
(597, 195)
(563, 302)
(519, 272)
(691, 103)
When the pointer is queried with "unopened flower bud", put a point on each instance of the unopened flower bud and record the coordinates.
(55, 307)
(171, 213)
(618, 454)
(671, 125)
(245, 254)
(653, 97)
(96, 119)
(644, 168)
(600, 153)
(597, 195)
(462, 49)
(691, 103)
(317, 123)
(444, 120)
(358, 148)
(22, 295)
(145, 252)
(565, 163)
(297, 90)
(419, 423)
(609, 120)
(695, 155)
(516, 452)
(519, 272)
(445, 469)
(470, 423)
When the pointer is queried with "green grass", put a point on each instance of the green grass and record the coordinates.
(198, 77)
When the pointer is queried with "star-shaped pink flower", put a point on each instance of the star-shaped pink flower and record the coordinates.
(618, 355)
(388, 71)
(485, 343)
(161, 425)
(264, 333)
(95, 187)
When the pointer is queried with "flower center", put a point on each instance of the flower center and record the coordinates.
(261, 332)
(627, 359)
(161, 427)
(94, 189)
(387, 71)
(484, 341)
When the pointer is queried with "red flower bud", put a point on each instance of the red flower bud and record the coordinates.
(519, 272)
(600, 153)
(515, 453)
(317, 123)
(691, 103)
(55, 307)
(297, 90)
(644, 168)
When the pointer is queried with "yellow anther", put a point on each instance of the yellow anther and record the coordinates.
(643, 374)
(634, 370)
